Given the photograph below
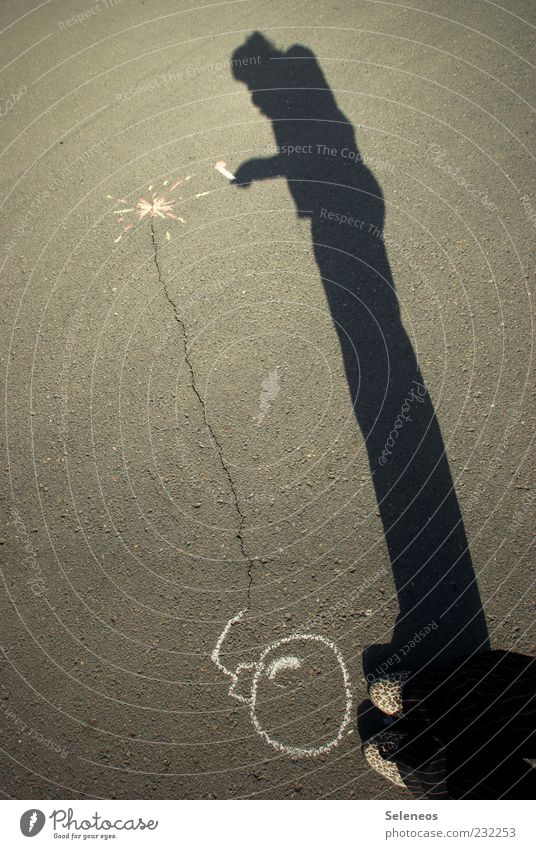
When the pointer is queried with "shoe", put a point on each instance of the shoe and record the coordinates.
(385, 692)
(378, 749)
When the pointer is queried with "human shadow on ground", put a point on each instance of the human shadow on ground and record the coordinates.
(316, 152)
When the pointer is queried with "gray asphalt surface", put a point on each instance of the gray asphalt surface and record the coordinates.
(180, 443)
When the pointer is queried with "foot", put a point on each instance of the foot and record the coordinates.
(385, 692)
(378, 749)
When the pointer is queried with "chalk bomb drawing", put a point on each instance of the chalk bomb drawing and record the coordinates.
(270, 389)
(160, 203)
(253, 683)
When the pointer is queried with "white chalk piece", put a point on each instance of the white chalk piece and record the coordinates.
(265, 668)
(221, 166)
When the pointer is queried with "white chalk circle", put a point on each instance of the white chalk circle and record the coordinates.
(285, 678)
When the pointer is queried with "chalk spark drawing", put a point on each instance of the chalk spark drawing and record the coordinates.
(266, 668)
(270, 389)
(160, 204)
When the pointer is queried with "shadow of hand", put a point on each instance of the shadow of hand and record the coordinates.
(258, 169)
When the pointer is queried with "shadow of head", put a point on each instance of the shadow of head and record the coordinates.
(279, 80)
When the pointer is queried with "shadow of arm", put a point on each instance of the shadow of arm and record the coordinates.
(259, 169)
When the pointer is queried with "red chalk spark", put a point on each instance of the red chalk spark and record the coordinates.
(159, 204)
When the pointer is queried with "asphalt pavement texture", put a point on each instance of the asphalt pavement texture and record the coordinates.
(261, 440)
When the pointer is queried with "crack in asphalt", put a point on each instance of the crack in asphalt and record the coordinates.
(180, 322)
